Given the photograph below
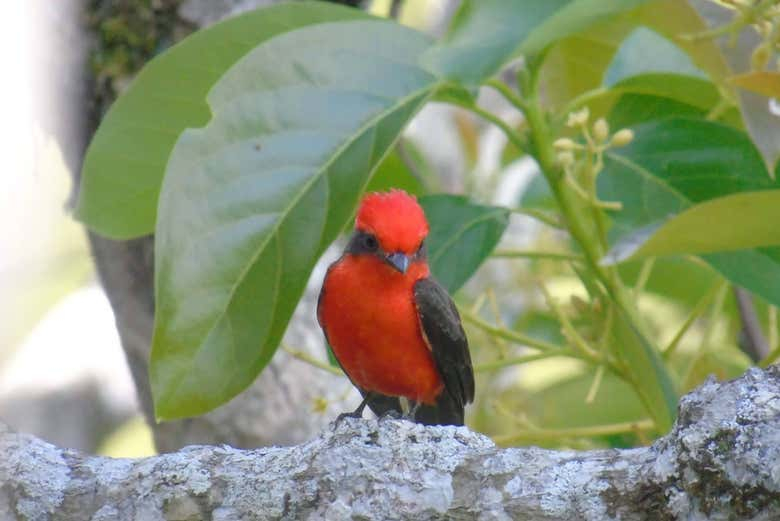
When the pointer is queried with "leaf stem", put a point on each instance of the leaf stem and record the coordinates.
(715, 311)
(645, 424)
(510, 133)
(509, 334)
(697, 310)
(570, 332)
(305, 357)
(540, 216)
(644, 276)
(522, 359)
(594, 387)
(510, 95)
(526, 254)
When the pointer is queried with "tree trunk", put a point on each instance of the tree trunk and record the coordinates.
(720, 461)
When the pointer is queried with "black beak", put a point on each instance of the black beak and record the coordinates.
(399, 261)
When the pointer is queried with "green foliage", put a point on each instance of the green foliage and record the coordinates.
(462, 236)
(259, 163)
(125, 162)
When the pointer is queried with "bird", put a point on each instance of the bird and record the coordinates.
(393, 329)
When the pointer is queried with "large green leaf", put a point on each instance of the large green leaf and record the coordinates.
(486, 34)
(125, 162)
(250, 201)
(734, 222)
(675, 163)
(462, 236)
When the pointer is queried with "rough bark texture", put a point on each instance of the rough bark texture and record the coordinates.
(720, 461)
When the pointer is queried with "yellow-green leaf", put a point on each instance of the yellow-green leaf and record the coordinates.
(763, 82)
(734, 222)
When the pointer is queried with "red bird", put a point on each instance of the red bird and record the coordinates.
(394, 330)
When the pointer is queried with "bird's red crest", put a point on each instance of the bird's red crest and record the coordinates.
(395, 218)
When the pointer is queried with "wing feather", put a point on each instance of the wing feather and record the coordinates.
(443, 332)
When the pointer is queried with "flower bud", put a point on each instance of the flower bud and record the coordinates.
(564, 143)
(622, 137)
(578, 118)
(565, 159)
(601, 130)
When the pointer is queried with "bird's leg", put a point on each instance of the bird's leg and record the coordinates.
(412, 411)
(357, 413)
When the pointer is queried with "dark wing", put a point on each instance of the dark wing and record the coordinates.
(442, 331)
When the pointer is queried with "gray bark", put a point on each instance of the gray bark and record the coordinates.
(720, 461)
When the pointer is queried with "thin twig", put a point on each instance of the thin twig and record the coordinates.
(539, 215)
(517, 360)
(644, 275)
(305, 357)
(510, 95)
(570, 332)
(509, 334)
(697, 310)
(530, 254)
(645, 424)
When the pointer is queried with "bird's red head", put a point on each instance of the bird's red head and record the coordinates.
(395, 218)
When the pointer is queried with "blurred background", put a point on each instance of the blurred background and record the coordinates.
(63, 374)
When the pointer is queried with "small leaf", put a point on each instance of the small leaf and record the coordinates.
(462, 236)
(763, 82)
(125, 162)
(250, 201)
(734, 222)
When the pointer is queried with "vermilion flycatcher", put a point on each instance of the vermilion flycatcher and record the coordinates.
(394, 330)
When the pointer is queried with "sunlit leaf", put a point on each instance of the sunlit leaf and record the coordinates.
(765, 83)
(734, 222)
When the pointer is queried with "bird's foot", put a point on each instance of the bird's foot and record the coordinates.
(343, 415)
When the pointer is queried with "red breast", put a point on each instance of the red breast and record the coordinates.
(367, 310)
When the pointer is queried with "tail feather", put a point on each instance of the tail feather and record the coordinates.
(447, 411)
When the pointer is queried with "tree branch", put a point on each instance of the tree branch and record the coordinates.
(721, 460)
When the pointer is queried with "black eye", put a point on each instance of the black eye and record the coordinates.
(370, 242)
